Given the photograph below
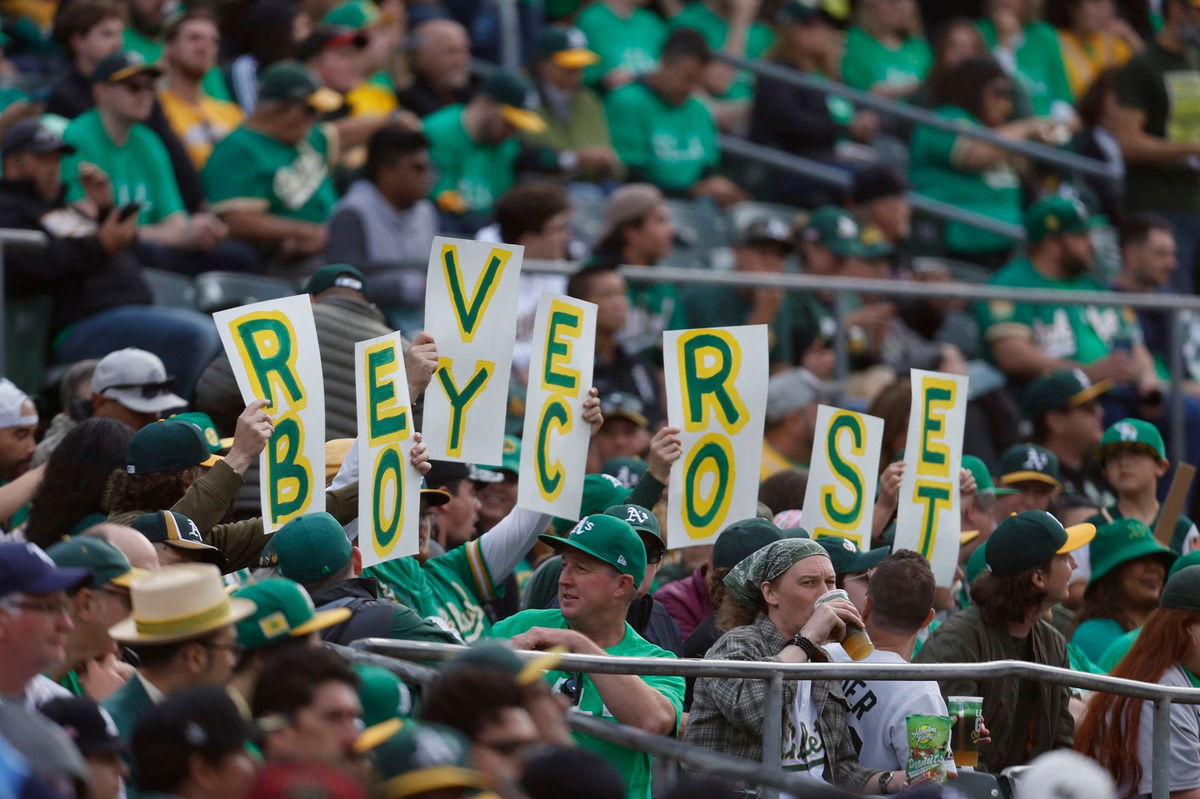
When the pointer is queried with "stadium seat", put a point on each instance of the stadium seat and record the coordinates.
(700, 224)
(743, 214)
(977, 785)
(217, 291)
(170, 289)
(587, 218)
(26, 334)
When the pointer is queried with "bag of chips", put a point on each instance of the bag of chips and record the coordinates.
(928, 739)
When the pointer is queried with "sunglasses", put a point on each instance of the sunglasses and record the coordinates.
(149, 390)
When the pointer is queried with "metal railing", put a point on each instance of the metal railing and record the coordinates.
(775, 673)
(843, 288)
(1044, 153)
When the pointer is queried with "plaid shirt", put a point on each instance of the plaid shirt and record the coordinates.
(727, 713)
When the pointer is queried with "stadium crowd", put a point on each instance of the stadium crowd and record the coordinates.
(187, 158)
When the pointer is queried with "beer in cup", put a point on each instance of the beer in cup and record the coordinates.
(964, 740)
(856, 643)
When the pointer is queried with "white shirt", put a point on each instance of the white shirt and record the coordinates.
(879, 710)
(805, 754)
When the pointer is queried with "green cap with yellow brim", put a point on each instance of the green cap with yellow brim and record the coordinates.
(983, 478)
(283, 609)
(1023, 463)
(417, 758)
(123, 65)
(496, 656)
(1061, 390)
(216, 444)
(517, 100)
(292, 81)
(1028, 539)
(358, 15)
(1055, 215)
(107, 563)
(566, 47)
(1131, 434)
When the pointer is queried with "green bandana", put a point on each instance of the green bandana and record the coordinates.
(744, 580)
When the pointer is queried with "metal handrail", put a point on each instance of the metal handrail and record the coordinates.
(1162, 696)
(1039, 152)
(824, 173)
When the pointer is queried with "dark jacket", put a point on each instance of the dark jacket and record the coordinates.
(74, 269)
(792, 118)
(373, 616)
(422, 100)
(72, 95)
(964, 638)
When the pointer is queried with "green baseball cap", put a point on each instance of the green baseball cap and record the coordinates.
(977, 563)
(1190, 559)
(216, 444)
(607, 539)
(168, 446)
(122, 65)
(308, 549)
(644, 523)
(623, 405)
(518, 101)
(106, 562)
(1022, 463)
(1182, 591)
(178, 531)
(1132, 434)
(416, 759)
(292, 81)
(336, 276)
(1027, 539)
(628, 470)
(566, 47)
(1054, 216)
(832, 11)
(357, 14)
(834, 229)
(848, 558)
(382, 694)
(873, 244)
(983, 478)
(1061, 391)
(741, 539)
(283, 609)
(600, 491)
(510, 460)
(1121, 541)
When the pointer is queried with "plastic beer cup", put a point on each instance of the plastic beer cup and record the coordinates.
(856, 643)
(964, 739)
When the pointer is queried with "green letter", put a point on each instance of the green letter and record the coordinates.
(460, 401)
(384, 527)
(383, 421)
(847, 473)
(550, 475)
(265, 344)
(468, 316)
(936, 497)
(288, 481)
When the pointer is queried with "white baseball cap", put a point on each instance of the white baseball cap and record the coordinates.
(1064, 774)
(12, 401)
(137, 379)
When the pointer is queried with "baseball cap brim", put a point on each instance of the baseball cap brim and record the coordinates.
(324, 100)
(57, 579)
(1078, 535)
(1143, 548)
(436, 497)
(1000, 491)
(131, 70)
(435, 778)
(519, 118)
(1090, 393)
(575, 59)
(208, 552)
(124, 580)
(631, 415)
(1029, 476)
(967, 536)
(211, 461)
(559, 544)
(320, 620)
(1102, 450)
(865, 561)
(481, 474)
(134, 401)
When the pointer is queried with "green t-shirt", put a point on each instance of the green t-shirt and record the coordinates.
(632, 44)
(1094, 636)
(1039, 65)
(480, 173)
(1165, 87)
(634, 765)
(868, 63)
(253, 171)
(994, 192)
(699, 17)
(673, 145)
(451, 589)
(1077, 333)
(140, 170)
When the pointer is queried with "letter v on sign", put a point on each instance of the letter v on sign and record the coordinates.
(468, 311)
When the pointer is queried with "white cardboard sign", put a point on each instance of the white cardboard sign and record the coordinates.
(843, 474)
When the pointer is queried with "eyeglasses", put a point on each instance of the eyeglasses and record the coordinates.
(52, 607)
(149, 390)
(572, 688)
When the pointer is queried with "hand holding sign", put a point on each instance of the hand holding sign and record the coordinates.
(253, 431)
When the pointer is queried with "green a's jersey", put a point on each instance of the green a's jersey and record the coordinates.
(631, 43)
(151, 50)
(674, 145)
(140, 170)
(868, 63)
(699, 17)
(1184, 538)
(1083, 334)
(995, 192)
(1095, 636)
(451, 589)
(252, 171)
(480, 173)
(1039, 65)
(634, 765)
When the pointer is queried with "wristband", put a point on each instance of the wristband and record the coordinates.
(814, 652)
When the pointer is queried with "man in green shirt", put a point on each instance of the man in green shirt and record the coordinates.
(113, 138)
(269, 180)
(882, 55)
(475, 148)
(663, 133)
(627, 38)
(604, 561)
(1158, 128)
(1027, 340)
